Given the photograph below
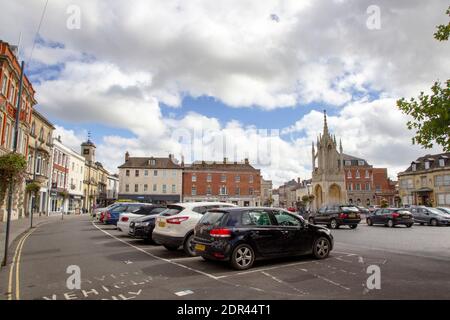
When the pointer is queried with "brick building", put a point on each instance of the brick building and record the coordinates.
(359, 181)
(234, 182)
(9, 96)
(385, 188)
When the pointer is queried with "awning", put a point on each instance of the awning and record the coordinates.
(424, 189)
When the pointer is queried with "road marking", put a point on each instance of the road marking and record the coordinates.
(16, 263)
(184, 293)
(327, 280)
(159, 258)
(271, 268)
(282, 282)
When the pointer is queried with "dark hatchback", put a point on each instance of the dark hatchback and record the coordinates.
(391, 217)
(241, 235)
(142, 228)
(335, 216)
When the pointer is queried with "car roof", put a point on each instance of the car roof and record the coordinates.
(236, 208)
(200, 204)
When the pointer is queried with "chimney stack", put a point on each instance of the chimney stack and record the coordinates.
(127, 156)
(246, 161)
(225, 160)
(298, 180)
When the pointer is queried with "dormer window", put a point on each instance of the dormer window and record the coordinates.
(427, 164)
(442, 162)
(348, 163)
(360, 162)
(414, 167)
(152, 162)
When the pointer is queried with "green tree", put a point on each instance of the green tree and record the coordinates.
(431, 113)
(12, 169)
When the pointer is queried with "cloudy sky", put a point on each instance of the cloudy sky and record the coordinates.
(236, 78)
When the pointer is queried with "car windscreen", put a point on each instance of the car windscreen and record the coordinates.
(403, 211)
(213, 218)
(172, 210)
(349, 209)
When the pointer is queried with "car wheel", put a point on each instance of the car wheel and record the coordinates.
(369, 222)
(311, 220)
(353, 226)
(390, 223)
(409, 225)
(242, 257)
(421, 223)
(189, 246)
(170, 248)
(433, 222)
(334, 224)
(321, 248)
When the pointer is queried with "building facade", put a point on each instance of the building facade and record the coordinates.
(10, 71)
(234, 182)
(266, 193)
(59, 192)
(328, 176)
(385, 188)
(39, 169)
(426, 181)
(150, 179)
(359, 181)
(112, 188)
(75, 182)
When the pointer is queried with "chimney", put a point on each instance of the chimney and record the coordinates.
(298, 180)
(225, 160)
(127, 156)
(182, 161)
(246, 160)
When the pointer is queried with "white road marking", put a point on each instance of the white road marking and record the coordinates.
(272, 268)
(184, 293)
(328, 280)
(156, 257)
(282, 282)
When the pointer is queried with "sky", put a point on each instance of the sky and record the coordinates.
(205, 80)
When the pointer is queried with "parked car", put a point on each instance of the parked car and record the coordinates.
(175, 226)
(126, 218)
(111, 216)
(142, 227)
(390, 217)
(335, 216)
(444, 210)
(363, 209)
(429, 216)
(242, 235)
(99, 213)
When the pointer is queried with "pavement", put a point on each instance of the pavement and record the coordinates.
(412, 263)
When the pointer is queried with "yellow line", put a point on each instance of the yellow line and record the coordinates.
(18, 265)
(11, 270)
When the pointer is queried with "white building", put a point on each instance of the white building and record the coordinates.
(66, 193)
(75, 180)
(112, 188)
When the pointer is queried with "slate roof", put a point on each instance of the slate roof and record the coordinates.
(144, 162)
(220, 166)
(434, 162)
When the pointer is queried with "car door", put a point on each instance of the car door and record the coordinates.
(295, 238)
(264, 235)
(384, 216)
(420, 215)
(319, 218)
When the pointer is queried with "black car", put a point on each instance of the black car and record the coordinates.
(390, 217)
(335, 216)
(241, 235)
(142, 228)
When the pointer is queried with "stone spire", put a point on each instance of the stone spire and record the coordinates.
(325, 124)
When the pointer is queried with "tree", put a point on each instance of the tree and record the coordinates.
(384, 203)
(431, 113)
(12, 170)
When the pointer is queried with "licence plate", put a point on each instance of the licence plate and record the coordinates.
(161, 224)
(351, 216)
(200, 247)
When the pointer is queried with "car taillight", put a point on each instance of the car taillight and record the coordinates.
(124, 219)
(343, 215)
(177, 220)
(220, 233)
(395, 215)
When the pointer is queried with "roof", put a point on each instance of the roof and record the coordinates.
(354, 160)
(433, 161)
(144, 162)
(42, 118)
(220, 166)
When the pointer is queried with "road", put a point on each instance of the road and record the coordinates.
(413, 264)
